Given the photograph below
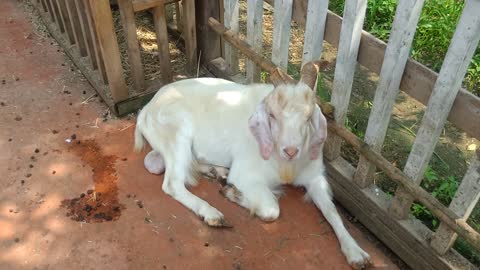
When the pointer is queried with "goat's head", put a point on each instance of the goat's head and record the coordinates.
(289, 122)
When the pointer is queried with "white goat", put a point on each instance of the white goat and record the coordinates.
(267, 136)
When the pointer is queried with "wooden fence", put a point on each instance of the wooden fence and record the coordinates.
(85, 29)
(388, 218)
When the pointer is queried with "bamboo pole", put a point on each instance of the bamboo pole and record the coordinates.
(449, 218)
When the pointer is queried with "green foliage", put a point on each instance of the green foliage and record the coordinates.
(435, 30)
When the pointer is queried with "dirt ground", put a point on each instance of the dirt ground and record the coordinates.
(75, 196)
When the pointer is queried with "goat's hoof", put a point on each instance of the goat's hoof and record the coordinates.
(268, 215)
(358, 259)
(218, 223)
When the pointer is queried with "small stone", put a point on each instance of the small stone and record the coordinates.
(28, 175)
(2, 103)
(54, 131)
(10, 139)
(4, 82)
(206, 244)
(31, 166)
(139, 204)
(84, 92)
(37, 150)
(54, 172)
(23, 182)
(18, 118)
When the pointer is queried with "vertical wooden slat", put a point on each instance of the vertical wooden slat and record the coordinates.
(107, 39)
(254, 36)
(77, 29)
(350, 34)
(57, 16)
(208, 42)
(179, 16)
(66, 20)
(133, 49)
(80, 7)
(446, 87)
(44, 5)
(230, 17)
(314, 30)
(282, 18)
(96, 46)
(396, 56)
(50, 10)
(463, 202)
(162, 41)
(190, 35)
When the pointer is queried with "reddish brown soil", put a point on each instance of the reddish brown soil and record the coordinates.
(100, 204)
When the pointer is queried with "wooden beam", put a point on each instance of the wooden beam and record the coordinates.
(66, 20)
(133, 49)
(190, 35)
(345, 69)
(282, 19)
(254, 37)
(139, 5)
(463, 203)
(230, 16)
(396, 56)
(82, 16)
(76, 28)
(208, 42)
(56, 14)
(107, 39)
(417, 80)
(462, 47)
(160, 22)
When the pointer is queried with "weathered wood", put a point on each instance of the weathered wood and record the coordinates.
(50, 10)
(133, 103)
(437, 208)
(133, 49)
(179, 15)
(77, 29)
(460, 52)
(57, 16)
(82, 16)
(462, 204)
(162, 41)
(282, 17)
(350, 34)
(231, 22)
(94, 37)
(254, 36)
(44, 6)
(208, 42)
(107, 39)
(190, 35)
(139, 5)
(417, 80)
(66, 21)
(407, 238)
(314, 30)
(219, 68)
(396, 56)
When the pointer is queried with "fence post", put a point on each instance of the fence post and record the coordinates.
(465, 199)
(396, 56)
(208, 42)
(282, 17)
(230, 17)
(254, 36)
(314, 30)
(350, 34)
(460, 52)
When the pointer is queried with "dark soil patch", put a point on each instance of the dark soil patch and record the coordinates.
(100, 204)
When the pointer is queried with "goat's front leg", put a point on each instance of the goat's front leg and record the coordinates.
(318, 190)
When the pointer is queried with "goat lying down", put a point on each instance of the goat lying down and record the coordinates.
(266, 135)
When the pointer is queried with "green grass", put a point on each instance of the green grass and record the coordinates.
(434, 32)
(432, 39)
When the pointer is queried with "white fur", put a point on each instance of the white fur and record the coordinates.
(206, 120)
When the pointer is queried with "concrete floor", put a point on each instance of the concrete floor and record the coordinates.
(42, 105)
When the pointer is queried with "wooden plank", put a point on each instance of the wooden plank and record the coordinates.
(107, 39)
(56, 14)
(254, 36)
(162, 41)
(133, 49)
(190, 35)
(44, 5)
(50, 10)
(66, 20)
(407, 238)
(136, 102)
(396, 56)
(314, 30)
(76, 27)
(345, 68)
(208, 41)
(179, 15)
(460, 52)
(282, 17)
(417, 80)
(231, 22)
(82, 16)
(139, 5)
(462, 204)
(96, 46)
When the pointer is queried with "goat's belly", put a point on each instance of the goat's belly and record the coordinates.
(212, 150)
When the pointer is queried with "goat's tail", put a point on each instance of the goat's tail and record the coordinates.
(139, 139)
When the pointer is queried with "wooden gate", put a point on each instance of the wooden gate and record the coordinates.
(387, 217)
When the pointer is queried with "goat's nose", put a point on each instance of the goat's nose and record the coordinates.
(291, 151)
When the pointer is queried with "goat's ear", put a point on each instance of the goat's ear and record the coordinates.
(319, 132)
(259, 125)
